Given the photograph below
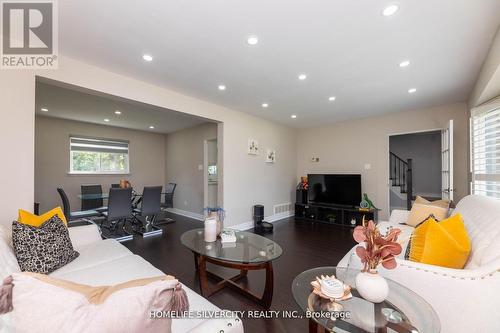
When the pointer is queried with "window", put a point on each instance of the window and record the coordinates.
(485, 150)
(97, 156)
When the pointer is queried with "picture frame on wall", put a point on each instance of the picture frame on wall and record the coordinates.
(270, 155)
(253, 147)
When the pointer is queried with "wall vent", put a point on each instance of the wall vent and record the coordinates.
(282, 208)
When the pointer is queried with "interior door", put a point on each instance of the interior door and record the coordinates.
(447, 162)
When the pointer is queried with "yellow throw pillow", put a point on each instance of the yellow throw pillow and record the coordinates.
(423, 208)
(444, 243)
(37, 220)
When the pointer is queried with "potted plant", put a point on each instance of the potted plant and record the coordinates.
(376, 249)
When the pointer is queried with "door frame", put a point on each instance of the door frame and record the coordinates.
(205, 171)
(387, 159)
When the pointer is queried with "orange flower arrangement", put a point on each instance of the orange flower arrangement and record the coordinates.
(378, 249)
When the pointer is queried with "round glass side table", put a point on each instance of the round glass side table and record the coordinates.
(403, 311)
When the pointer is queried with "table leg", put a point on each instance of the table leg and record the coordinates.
(202, 275)
(267, 297)
(196, 256)
(315, 328)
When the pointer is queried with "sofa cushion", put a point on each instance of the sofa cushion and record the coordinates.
(45, 304)
(134, 267)
(116, 271)
(423, 208)
(42, 249)
(481, 217)
(8, 261)
(95, 254)
(443, 243)
(37, 220)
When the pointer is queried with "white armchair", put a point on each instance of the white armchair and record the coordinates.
(466, 300)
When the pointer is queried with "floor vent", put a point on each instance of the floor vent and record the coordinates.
(282, 208)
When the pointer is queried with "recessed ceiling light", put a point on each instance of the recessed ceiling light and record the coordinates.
(147, 57)
(106, 120)
(390, 10)
(44, 109)
(151, 127)
(252, 40)
(118, 112)
(222, 87)
(332, 98)
(412, 90)
(265, 105)
(302, 76)
(405, 63)
(293, 116)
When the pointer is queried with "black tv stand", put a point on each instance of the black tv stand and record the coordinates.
(333, 214)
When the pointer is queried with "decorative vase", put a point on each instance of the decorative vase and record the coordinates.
(372, 286)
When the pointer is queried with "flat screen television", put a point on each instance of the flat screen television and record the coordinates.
(344, 190)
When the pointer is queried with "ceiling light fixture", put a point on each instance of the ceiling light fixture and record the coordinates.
(151, 127)
(147, 57)
(302, 77)
(44, 109)
(332, 98)
(405, 63)
(390, 10)
(265, 105)
(106, 120)
(252, 40)
(293, 116)
(412, 90)
(118, 112)
(222, 87)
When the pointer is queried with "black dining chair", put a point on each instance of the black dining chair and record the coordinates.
(119, 211)
(77, 215)
(169, 195)
(115, 185)
(168, 203)
(94, 198)
(150, 207)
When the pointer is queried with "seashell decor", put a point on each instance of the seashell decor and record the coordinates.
(329, 287)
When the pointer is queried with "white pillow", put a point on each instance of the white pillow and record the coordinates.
(45, 304)
(8, 261)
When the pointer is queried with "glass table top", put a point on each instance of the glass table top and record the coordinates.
(403, 311)
(248, 248)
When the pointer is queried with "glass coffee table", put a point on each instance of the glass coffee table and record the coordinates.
(403, 311)
(249, 252)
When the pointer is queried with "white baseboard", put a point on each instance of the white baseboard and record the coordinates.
(241, 226)
(185, 213)
(270, 219)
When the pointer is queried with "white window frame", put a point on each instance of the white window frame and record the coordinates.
(114, 145)
(484, 182)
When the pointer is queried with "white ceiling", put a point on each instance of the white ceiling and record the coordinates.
(347, 48)
(90, 107)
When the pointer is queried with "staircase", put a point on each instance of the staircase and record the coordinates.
(401, 176)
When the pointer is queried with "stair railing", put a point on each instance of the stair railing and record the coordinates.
(401, 175)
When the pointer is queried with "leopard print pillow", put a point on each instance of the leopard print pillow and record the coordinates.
(42, 249)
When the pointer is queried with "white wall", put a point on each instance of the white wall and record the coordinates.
(247, 180)
(346, 147)
(488, 82)
(184, 151)
(146, 154)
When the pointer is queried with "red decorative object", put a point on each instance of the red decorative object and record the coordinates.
(378, 249)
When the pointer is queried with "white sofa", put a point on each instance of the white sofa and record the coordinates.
(466, 300)
(107, 262)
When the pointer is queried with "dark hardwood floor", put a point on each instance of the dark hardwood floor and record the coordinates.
(305, 245)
